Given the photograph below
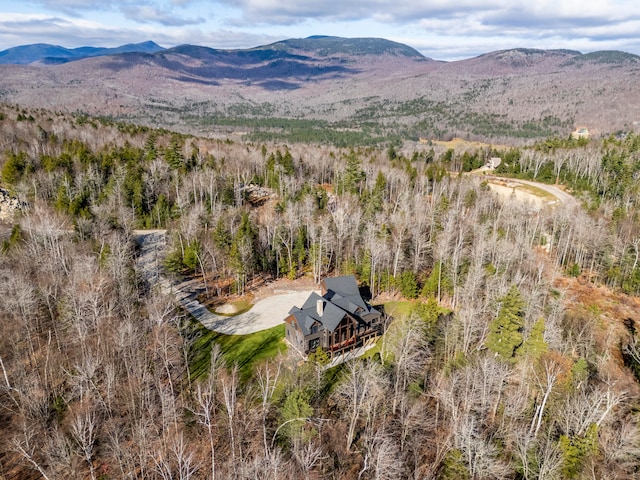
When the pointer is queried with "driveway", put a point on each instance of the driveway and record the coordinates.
(509, 187)
(266, 313)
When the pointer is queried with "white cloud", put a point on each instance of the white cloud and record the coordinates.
(164, 12)
(293, 11)
(70, 32)
(438, 28)
(20, 29)
(150, 14)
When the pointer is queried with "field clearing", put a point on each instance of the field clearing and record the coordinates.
(462, 144)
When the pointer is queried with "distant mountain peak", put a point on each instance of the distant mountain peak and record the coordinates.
(537, 52)
(522, 59)
(610, 57)
(42, 53)
(327, 46)
(147, 44)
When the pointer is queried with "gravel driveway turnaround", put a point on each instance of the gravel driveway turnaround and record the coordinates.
(266, 313)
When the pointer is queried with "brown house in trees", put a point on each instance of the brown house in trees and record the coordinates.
(339, 320)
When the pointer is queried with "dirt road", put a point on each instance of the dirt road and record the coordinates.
(510, 186)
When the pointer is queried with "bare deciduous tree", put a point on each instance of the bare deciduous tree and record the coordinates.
(207, 403)
(84, 428)
(362, 387)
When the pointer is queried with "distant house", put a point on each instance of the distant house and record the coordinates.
(493, 162)
(339, 320)
(580, 132)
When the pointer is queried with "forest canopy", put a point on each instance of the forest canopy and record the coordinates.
(513, 353)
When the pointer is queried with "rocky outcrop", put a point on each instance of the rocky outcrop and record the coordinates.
(257, 195)
(9, 205)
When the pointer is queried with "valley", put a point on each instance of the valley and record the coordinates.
(338, 91)
(170, 208)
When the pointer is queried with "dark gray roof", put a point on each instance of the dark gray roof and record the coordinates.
(312, 301)
(342, 298)
(349, 303)
(331, 316)
(303, 321)
(345, 285)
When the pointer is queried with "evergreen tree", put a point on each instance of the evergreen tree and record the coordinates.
(407, 284)
(378, 193)
(295, 410)
(221, 237)
(191, 257)
(535, 345)
(242, 253)
(575, 449)
(437, 283)
(300, 248)
(160, 213)
(14, 239)
(150, 150)
(353, 174)
(272, 178)
(453, 466)
(505, 331)
(14, 167)
(173, 154)
(286, 161)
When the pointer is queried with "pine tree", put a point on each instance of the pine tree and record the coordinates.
(505, 331)
(377, 196)
(353, 174)
(576, 449)
(150, 150)
(221, 237)
(535, 345)
(295, 410)
(437, 283)
(300, 248)
(173, 154)
(242, 251)
(14, 167)
(407, 284)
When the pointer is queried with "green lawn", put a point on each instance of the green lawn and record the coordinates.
(399, 308)
(247, 351)
(244, 350)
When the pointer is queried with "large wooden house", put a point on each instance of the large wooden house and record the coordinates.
(338, 320)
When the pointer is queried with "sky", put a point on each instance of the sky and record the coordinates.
(440, 29)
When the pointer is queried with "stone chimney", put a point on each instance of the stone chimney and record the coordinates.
(320, 307)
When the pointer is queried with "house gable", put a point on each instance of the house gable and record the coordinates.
(337, 320)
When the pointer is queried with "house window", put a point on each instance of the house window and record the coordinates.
(313, 344)
(314, 328)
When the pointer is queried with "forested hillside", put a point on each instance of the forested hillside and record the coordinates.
(513, 353)
(341, 91)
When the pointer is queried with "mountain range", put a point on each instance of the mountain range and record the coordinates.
(45, 54)
(328, 86)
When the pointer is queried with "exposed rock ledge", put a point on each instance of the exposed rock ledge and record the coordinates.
(9, 205)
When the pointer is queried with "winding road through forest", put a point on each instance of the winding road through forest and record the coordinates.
(558, 196)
